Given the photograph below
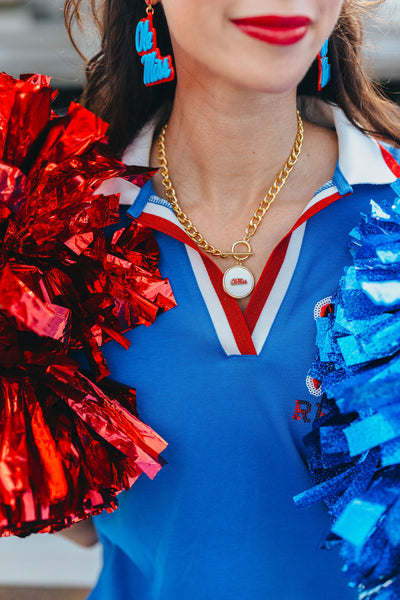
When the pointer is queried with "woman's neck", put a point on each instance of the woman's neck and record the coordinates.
(224, 151)
(226, 144)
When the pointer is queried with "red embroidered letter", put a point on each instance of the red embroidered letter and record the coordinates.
(302, 412)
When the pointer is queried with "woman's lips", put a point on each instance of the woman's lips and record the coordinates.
(273, 29)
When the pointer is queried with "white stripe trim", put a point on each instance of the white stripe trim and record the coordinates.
(158, 210)
(213, 304)
(279, 289)
(331, 191)
(166, 213)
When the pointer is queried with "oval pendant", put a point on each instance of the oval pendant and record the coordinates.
(238, 281)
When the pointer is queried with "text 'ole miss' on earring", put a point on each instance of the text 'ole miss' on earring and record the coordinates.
(157, 69)
(324, 68)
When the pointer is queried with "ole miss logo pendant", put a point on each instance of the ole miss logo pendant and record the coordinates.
(157, 69)
(238, 281)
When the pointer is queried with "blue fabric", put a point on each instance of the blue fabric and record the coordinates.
(218, 522)
(341, 182)
(145, 194)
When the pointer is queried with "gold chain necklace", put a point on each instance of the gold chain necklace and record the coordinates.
(238, 281)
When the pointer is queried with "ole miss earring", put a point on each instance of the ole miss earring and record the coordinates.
(324, 68)
(157, 69)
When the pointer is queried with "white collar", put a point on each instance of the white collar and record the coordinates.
(360, 158)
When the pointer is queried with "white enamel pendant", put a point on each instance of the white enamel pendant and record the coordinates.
(238, 281)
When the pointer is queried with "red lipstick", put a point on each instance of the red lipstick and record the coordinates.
(275, 29)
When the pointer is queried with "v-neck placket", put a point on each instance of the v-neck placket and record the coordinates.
(239, 333)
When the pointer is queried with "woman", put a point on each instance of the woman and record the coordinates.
(223, 376)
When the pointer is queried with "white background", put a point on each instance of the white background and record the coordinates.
(47, 560)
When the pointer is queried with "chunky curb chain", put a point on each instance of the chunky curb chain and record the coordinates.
(258, 214)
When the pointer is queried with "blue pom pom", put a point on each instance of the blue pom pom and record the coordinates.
(355, 458)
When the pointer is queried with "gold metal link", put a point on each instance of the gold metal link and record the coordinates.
(149, 8)
(258, 214)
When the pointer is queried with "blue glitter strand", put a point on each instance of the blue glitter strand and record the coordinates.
(355, 447)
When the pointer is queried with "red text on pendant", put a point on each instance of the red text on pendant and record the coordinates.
(238, 281)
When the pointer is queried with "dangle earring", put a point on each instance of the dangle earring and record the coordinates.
(324, 68)
(157, 68)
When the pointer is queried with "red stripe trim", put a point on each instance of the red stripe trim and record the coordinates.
(274, 264)
(265, 283)
(165, 226)
(231, 308)
(316, 208)
(390, 161)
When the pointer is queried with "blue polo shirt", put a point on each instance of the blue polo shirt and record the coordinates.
(230, 392)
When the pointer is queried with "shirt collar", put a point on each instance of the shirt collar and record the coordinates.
(360, 157)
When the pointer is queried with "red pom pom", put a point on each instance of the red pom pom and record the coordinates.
(68, 445)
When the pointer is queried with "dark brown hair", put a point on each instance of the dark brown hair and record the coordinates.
(116, 93)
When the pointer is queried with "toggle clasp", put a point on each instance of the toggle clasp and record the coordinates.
(239, 256)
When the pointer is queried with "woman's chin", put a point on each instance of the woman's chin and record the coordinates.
(266, 85)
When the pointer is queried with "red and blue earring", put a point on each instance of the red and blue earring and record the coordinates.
(324, 68)
(157, 68)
